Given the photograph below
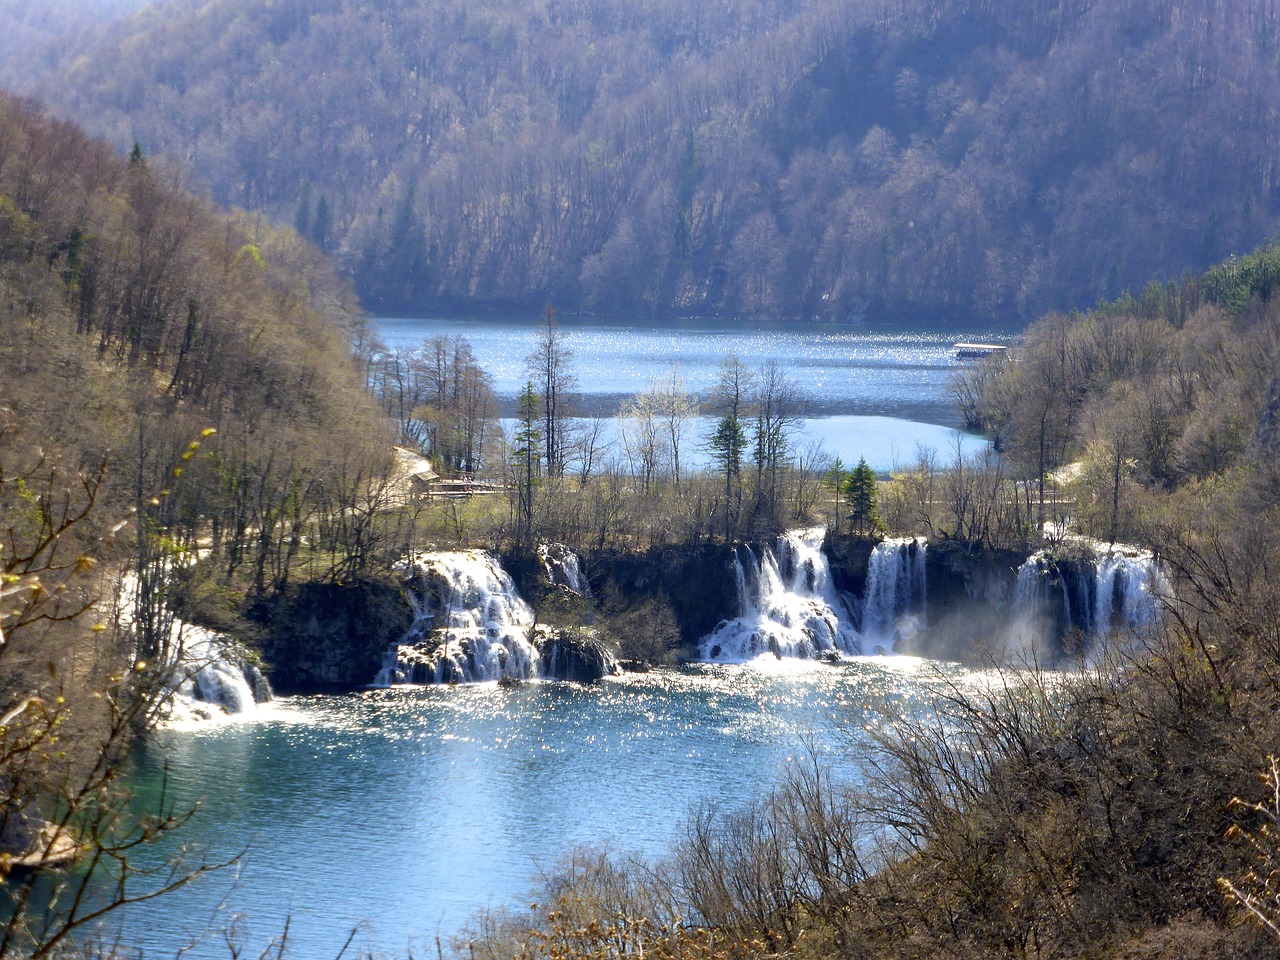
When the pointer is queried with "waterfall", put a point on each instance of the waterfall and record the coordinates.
(1029, 597)
(1128, 586)
(470, 625)
(210, 675)
(1042, 606)
(564, 568)
(213, 678)
(787, 605)
(1110, 586)
(896, 593)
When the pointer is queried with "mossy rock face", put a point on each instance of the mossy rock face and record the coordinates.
(527, 573)
(698, 579)
(331, 636)
(575, 655)
(957, 573)
(849, 558)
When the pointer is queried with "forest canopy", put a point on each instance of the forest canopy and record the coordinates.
(138, 321)
(963, 159)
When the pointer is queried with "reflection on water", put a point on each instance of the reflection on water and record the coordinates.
(846, 371)
(886, 443)
(407, 809)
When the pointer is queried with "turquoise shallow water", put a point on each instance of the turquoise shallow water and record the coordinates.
(403, 811)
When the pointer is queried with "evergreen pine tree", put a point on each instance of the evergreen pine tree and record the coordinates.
(861, 490)
(322, 225)
(526, 459)
(835, 479)
(302, 218)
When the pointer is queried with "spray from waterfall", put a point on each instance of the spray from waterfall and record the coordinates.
(213, 678)
(1102, 589)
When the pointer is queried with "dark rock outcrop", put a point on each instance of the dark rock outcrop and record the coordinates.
(324, 635)
(970, 601)
(575, 655)
(697, 579)
(849, 558)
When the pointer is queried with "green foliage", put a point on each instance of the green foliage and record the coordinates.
(322, 225)
(526, 461)
(646, 631)
(861, 491)
(251, 253)
(528, 436)
(727, 444)
(1137, 397)
(1235, 282)
(161, 325)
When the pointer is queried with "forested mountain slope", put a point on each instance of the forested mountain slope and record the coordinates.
(174, 382)
(137, 320)
(963, 158)
(33, 33)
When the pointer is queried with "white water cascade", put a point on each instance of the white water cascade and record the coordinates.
(1107, 587)
(470, 625)
(896, 593)
(1128, 587)
(564, 568)
(1042, 587)
(210, 676)
(787, 605)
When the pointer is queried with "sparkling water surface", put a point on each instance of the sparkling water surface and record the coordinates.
(403, 811)
(872, 394)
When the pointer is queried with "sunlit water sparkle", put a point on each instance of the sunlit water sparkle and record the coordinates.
(405, 810)
(876, 395)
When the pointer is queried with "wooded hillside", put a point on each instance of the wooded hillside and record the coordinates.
(840, 158)
(34, 33)
(137, 321)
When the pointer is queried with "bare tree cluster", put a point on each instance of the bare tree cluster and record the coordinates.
(1143, 395)
(441, 398)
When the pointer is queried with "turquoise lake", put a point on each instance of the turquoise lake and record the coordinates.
(878, 395)
(401, 812)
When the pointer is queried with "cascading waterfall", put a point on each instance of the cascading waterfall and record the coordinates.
(1109, 586)
(787, 605)
(1129, 585)
(564, 568)
(896, 593)
(1042, 607)
(213, 677)
(210, 675)
(470, 625)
